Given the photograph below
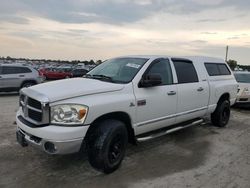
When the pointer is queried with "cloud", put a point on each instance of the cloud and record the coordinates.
(106, 28)
(14, 19)
(25, 34)
(79, 11)
(113, 11)
(209, 33)
(212, 20)
(199, 41)
(233, 38)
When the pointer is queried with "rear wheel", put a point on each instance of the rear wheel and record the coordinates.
(221, 115)
(106, 145)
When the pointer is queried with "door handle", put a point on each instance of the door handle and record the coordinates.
(200, 89)
(21, 75)
(171, 93)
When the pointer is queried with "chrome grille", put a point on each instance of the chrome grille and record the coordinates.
(34, 103)
(34, 111)
(37, 116)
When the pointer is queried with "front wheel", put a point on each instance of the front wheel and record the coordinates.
(106, 145)
(221, 115)
(28, 84)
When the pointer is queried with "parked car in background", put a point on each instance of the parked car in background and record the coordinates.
(55, 73)
(79, 72)
(243, 96)
(14, 77)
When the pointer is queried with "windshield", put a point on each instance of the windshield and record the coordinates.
(119, 70)
(242, 78)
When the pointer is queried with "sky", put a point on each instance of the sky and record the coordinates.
(102, 29)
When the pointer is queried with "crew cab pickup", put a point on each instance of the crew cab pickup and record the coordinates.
(125, 99)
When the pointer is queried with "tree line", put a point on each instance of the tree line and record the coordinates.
(233, 64)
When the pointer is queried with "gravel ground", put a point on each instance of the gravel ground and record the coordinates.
(201, 156)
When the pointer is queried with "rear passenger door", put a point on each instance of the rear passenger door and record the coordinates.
(193, 91)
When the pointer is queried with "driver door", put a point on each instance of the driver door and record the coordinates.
(156, 106)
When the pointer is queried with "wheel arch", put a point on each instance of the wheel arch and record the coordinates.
(224, 96)
(28, 81)
(121, 116)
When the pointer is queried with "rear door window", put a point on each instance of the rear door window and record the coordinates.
(185, 71)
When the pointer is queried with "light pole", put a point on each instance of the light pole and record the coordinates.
(226, 53)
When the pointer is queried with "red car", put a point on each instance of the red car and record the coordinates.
(52, 74)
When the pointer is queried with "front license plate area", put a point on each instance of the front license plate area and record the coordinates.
(20, 139)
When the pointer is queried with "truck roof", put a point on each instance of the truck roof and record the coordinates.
(193, 58)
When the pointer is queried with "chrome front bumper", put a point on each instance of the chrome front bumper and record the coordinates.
(53, 139)
(51, 146)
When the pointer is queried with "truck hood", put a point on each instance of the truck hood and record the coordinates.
(69, 88)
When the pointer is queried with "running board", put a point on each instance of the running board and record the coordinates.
(167, 131)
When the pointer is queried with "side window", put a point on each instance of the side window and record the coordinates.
(24, 70)
(217, 69)
(185, 71)
(15, 70)
(162, 67)
(212, 69)
(223, 69)
(10, 70)
(0, 70)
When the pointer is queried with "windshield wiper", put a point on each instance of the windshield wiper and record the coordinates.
(87, 76)
(99, 77)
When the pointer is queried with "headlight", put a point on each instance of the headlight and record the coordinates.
(245, 91)
(68, 114)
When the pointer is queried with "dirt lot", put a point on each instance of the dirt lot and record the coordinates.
(202, 156)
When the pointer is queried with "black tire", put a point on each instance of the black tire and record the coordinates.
(44, 78)
(106, 145)
(221, 115)
(28, 84)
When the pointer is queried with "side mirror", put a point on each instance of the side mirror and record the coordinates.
(150, 80)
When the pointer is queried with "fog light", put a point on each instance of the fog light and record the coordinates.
(50, 147)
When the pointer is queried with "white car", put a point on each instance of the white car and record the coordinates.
(13, 77)
(243, 96)
(125, 99)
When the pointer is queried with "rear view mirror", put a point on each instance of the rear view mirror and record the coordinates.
(150, 80)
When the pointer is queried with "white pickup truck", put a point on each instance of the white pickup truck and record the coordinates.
(125, 99)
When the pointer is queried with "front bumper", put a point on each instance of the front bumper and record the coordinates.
(64, 140)
(243, 100)
(242, 104)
